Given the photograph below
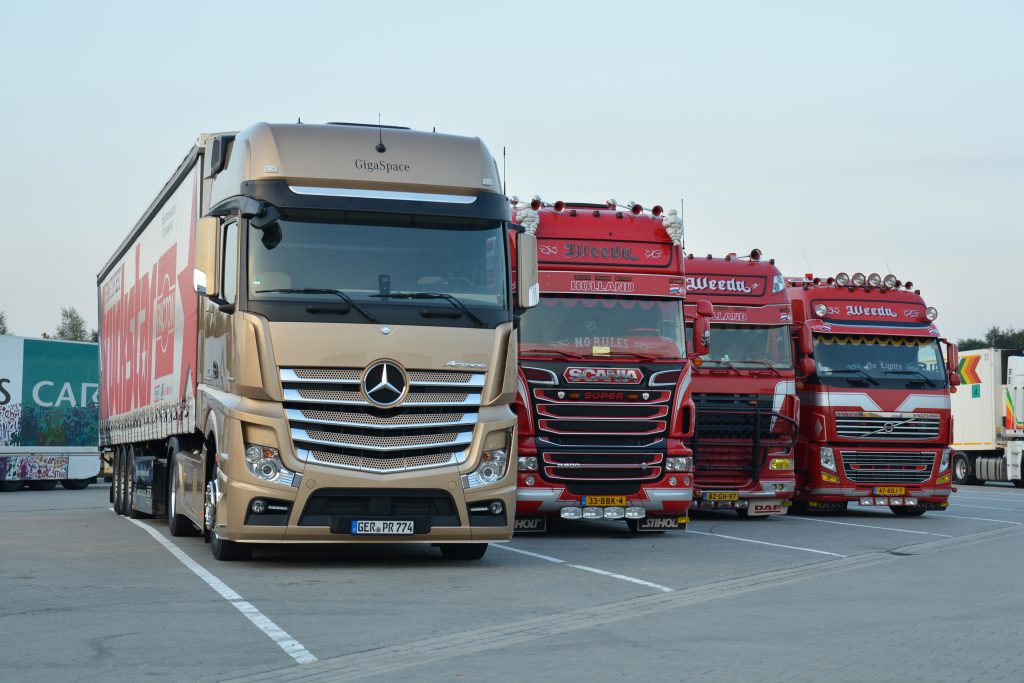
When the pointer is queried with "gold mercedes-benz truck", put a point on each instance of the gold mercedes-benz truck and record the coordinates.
(308, 338)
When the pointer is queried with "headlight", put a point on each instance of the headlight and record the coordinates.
(778, 284)
(931, 313)
(858, 279)
(828, 458)
(874, 279)
(264, 462)
(843, 279)
(890, 281)
(528, 464)
(944, 462)
(820, 310)
(492, 468)
(684, 464)
(780, 464)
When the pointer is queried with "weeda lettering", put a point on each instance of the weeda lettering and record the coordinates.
(697, 283)
(873, 311)
(578, 250)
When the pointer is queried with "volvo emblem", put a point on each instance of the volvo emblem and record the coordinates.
(888, 427)
(385, 330)
(385, 383)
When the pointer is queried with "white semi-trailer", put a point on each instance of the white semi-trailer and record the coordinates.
(988, 413)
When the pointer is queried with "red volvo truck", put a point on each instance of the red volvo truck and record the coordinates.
(744, 390)
(604, 399)
(875, 423)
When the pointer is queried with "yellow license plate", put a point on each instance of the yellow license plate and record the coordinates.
(721, 495)
(890, 490)
(604, 501)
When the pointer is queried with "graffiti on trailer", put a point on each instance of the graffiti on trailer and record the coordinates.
(10, 423)
(28, 425)
(28, 467)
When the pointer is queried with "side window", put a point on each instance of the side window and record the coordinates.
(230, 266)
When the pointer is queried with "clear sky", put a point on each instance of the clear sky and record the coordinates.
(862, 135)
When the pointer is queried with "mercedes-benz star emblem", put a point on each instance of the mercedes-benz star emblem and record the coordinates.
(385, 383)
(385, 330)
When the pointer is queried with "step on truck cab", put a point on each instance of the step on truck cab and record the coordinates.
(744, 390)
(988, 411)
(308, 338)
(604, 378)
(874, 390)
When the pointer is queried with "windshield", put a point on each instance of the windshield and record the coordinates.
(879, 361)
(621, 325)
(750, 346)
(374, 260)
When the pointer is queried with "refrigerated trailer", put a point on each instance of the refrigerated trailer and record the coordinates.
(48, 413)
(308, 338)
(988, 412)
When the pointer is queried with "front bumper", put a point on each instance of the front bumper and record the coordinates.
(543, 500)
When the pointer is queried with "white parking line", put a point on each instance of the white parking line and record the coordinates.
(958, 497)
(775, 545)
(583, 567)
(988, 492)
(981, 519)
(983, 507)
(870, 526)
(291, 646)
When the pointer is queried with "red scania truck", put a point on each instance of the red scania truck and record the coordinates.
(874, 389)
(604, 379)
(744, 390)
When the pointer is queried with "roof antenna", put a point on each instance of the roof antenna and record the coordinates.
(300, 120)
(504, 171)
(380, 137)
(810, 269)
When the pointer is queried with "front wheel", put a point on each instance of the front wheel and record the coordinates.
(75, 484)
(907, 510)
(177, 524)
(43, 485)
(463, 551)
(223, 550)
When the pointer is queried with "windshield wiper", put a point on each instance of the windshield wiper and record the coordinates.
(309, 290)
(559, 352)
(723, 362)
(455, 301)
(866, 376)
(629, 354)
(911, 372)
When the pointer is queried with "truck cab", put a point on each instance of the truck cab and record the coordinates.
(874, 388)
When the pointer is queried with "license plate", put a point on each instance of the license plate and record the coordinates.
(382, 527)
(721, 495)
(890, 490)
(604, 501)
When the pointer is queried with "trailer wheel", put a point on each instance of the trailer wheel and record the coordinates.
(463, 551)
(43, 485)
(11, 486)
(115, 486)
(962, 470)
(907, 510)
(75, 484)
(177, 525)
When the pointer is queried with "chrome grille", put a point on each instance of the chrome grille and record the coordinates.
(888, 426)
(878, 467)
(333, 424)
(602, 467)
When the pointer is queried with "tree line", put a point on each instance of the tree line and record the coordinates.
(72, 327)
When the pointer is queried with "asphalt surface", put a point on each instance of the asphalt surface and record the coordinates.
(91, 596)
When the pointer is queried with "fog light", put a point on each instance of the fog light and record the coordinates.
(259, 506)
(571, 513)
(830, 478)
(530, 480)
(944, 479)
(686, 481)
(910, 501)
(881, 501)
(497, 507)
(865, 501)
(614, 513)
(741, 504)
(528, 464)
(672, 481)
(593, 513)
(635, 513)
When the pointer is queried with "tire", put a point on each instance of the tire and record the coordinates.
(907, 510)
(117, 487)
(962, 470)
(10, 486)
(798, 507)
(222, 549)
(75, 484)
(463, 551)
(177, 525)
(43, 485)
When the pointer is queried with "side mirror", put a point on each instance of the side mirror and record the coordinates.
(528, 286)
(953, 363)
(705, 309)
(806, 341)
(206, 276)
(701, 333)
(805, 368)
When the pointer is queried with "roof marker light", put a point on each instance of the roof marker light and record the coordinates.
(657, 210)
(536, 203)
(635, 208)
(755, 254)
(842, 279)
(931, 313)
(858, 279)
(611, 203)
(909, 285)
(890, 281)
(830, 281)
(559, 206)
(874, 279)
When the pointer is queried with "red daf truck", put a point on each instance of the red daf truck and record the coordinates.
(874, 389)
(744, 390)
(604, 379)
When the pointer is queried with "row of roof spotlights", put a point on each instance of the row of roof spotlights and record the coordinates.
(858, 280)
(634, 208)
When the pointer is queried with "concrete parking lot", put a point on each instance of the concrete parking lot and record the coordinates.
(92, 596)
